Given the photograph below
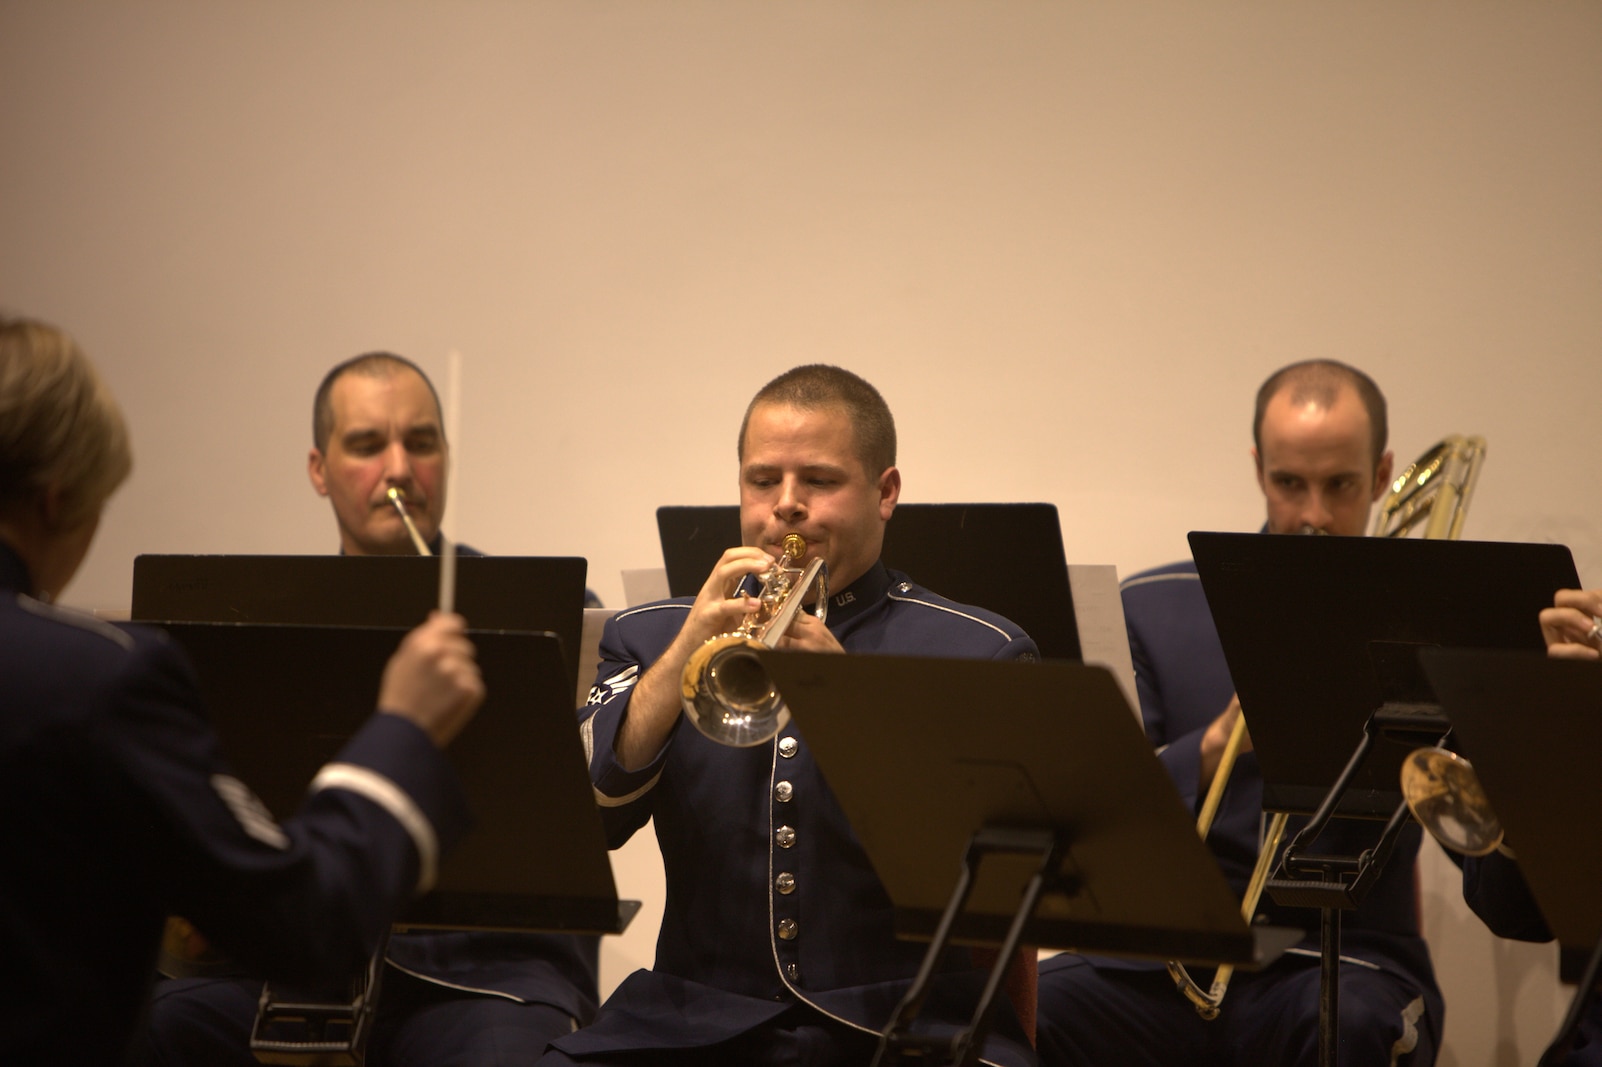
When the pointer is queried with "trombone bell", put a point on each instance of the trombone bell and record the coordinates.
(1445, 796)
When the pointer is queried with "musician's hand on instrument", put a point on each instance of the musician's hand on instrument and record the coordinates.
(716, 609)
(433, 678)
(809, 634)
(1216, 738)
(1573, 625)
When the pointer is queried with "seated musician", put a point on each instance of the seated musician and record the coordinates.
(1321, 462)
(776, 943)
(115, 805)
(1493, 886)
(471, 998)
(377, 431)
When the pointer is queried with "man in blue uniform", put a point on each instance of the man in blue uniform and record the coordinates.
(776, 943)
(1321, 462)
(115, 804)
(472, 998)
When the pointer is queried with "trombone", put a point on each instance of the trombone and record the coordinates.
(1440, 787)
(1433, 491)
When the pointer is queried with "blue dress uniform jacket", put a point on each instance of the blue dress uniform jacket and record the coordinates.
(1184, 684)
(116, 809)
(771, 901)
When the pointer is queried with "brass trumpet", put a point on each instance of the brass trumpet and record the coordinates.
(727, 693)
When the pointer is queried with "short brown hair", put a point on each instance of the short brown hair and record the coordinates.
(819, 385)
(370, 365)
(60, 427)
(1319, 381)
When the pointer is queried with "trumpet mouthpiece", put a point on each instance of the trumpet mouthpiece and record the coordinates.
(397, 496)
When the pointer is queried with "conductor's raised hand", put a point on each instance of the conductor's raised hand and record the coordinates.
(433, 678)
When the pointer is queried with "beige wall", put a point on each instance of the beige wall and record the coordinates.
(1067, 240)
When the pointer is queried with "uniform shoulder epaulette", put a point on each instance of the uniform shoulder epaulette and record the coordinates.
(1181, 571)
(660, 605)
(77, 619)
(912, 594)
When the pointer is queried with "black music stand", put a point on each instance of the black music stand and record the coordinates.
(284, 700)
(1322, 636)
(1007, 557)
(492, 592)
(1532, 727)
(1041, 771)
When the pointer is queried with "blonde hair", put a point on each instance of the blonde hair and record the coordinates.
(60, 427)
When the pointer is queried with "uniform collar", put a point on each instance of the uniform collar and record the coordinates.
(846, 604)
(13, 572)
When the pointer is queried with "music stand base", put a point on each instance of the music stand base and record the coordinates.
(898, 1044)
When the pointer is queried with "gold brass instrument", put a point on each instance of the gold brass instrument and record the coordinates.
(1434, 490)
(727, 693)
(1440, 787)
(1444, 795)
(397, 496)
(1209, 1001)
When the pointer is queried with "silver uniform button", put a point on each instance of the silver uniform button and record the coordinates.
(788, 930)
(792, 971)
(904, 587)
(783, 792)
(784, 883)
(785, 836)
(788, 746)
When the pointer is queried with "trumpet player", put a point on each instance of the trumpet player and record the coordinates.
(479, 998)
(1319, 453)
(776, 943)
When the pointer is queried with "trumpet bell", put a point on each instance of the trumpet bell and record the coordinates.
(1445, 796)
(729, 696)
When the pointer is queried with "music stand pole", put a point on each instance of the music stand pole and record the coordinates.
(897, 1043)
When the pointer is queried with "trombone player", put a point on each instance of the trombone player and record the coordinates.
(1320, 458)
(776, 944)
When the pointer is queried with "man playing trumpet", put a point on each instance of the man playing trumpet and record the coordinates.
(776, 943)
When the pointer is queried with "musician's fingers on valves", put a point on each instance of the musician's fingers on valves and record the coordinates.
(1573, 625)
(717, 609)
(809, 634)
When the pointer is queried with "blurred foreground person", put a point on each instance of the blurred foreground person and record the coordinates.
(115, 804)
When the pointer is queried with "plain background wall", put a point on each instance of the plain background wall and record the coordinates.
(1067, 241)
